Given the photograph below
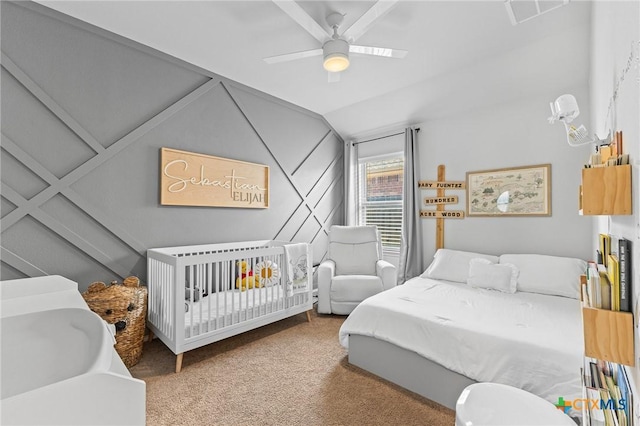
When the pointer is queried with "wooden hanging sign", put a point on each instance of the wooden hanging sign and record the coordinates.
(190, 179)
(435, 184)
(440, 200)
(443, 214)
(452, 199)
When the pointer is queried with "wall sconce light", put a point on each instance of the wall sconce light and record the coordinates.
(565, 109)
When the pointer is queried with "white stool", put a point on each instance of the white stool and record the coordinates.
(493, 404)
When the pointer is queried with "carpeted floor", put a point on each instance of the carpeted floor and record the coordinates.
(288, 373)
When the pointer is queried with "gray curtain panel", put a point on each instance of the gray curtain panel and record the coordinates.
(411, 262)
(350, 183)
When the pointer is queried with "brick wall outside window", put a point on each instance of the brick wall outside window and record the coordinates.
(381, 198)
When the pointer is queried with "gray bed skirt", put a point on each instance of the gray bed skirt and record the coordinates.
(407, 369)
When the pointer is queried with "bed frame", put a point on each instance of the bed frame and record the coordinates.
(193, 300)
(407, 369)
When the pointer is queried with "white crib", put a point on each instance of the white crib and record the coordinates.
(193, 299)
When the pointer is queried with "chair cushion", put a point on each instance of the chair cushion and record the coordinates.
(354, 259)
(354, 288)
(353, 234)
(354, 249)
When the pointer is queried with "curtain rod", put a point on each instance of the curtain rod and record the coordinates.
(382, 137)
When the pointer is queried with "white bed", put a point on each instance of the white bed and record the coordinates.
(527, 340)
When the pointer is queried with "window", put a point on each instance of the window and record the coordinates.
(380, 194)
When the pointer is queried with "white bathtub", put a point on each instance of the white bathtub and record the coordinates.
(59, 365)
(46, 347)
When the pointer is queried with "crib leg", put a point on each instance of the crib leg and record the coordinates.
(309, 315)
(179, 362)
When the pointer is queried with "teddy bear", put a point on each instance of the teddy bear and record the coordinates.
(246, 279)
(125, 306)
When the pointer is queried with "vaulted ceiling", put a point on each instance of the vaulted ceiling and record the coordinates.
(462, 54)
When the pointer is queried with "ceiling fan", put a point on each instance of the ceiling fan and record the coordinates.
(336, 47)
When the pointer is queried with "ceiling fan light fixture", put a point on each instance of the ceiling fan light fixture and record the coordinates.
(336, 55)
(336, 62)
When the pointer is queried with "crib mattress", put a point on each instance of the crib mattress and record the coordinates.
(228, 307)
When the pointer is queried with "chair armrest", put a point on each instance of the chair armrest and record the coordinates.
(387, 272)
(326, 272)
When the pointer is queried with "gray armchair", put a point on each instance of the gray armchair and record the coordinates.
(353, 269)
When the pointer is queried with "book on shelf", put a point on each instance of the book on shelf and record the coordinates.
(613, 273)
(625, 262)
(625, 391)
(585, 294)
(607, 383)
(596, 414)
(594, 289)
(618, 141)
(586, 373)
(605, 247)
(605, 152)
(611, 287)
(605, 291)
(617, 405)
(610, 419)
(595, 375)
(609, 154)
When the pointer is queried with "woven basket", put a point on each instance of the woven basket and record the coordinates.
(125, 306)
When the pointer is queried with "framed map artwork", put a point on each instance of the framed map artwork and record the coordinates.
(516, 191)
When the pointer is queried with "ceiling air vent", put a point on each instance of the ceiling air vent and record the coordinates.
(523, 10)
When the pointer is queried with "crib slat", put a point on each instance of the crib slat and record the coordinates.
(217, 284)
(226, 280)
(198, 280)
(253, 293)
(190, 311)
(210, 320)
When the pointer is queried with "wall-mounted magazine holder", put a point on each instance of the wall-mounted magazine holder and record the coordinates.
(608, 335)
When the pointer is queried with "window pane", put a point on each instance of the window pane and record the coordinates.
(381, 198)
(388, 218)
(384, 180)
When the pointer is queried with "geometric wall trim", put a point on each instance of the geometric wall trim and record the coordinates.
(80, 153)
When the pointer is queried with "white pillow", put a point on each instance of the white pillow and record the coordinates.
(484, 274)
(552, 275)
(453, 265)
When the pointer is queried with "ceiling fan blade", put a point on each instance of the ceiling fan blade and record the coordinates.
(378, 51)
(293, 56)
(362, 25)
(303, 19)
(333, 77)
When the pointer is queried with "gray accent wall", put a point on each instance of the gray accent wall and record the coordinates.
(84, 115)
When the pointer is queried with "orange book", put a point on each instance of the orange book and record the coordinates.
(620, 144)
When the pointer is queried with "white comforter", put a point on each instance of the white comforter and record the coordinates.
(530, 341)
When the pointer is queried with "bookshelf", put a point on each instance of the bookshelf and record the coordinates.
(606, 190)
(607, 312)
(608, 335)
(608, 347)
